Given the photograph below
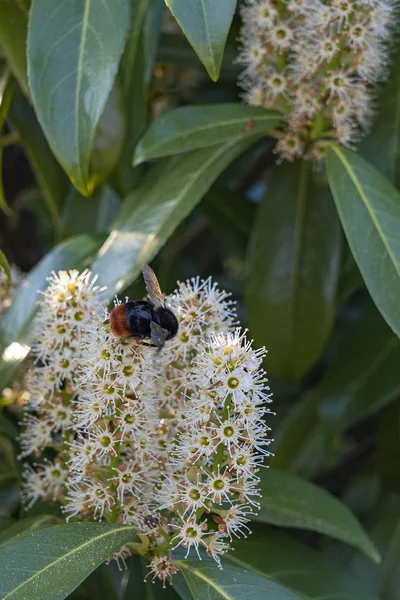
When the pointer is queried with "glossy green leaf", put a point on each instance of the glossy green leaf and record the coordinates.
(4, 265)
(13, 33)
(95, 213)
(51, 178)
(206, 25)
(382, 146)
(296, 567)
(191, 127)
(134, 88)
(151, 213)
(109, 137)
(289, 501)
(70, 95)
(50, 563)
(203, 579)
(293, 268)
(152, 26)
(349, 391)
(25, 526)
(369, 208)
(16, 325)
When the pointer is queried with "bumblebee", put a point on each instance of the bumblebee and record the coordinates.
(145, 319)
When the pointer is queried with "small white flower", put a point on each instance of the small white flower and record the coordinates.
(216, 547)
(163, 568)
(190, 535)
(127, 479)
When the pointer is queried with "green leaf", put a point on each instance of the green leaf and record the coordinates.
(13, 32)
(74, 49)
(50, 176)
(203, 579)
(109, 138)
(5, 267)
(134, 92)
(16, 325)
(349, 391)
(369, 208)
(25, 526)
(191, 127)
(50, 563)
(152, 25)
(289, 501)
(151, 213)
(206, 25)
(297, 567)
(95, 213)
(382, 146)
(294, 266)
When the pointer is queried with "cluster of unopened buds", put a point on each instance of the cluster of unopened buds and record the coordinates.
(318, 62)
(168, 440)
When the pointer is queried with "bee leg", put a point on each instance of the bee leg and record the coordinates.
(148, 344)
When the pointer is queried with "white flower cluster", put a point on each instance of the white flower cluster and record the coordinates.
(67, 305)
(170, 441)
(318, 62)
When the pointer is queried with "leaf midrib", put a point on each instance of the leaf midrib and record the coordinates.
(210, 48)
(367, 204)
(241, 563)
(214, 125)
(63, 557)
(201, 576)
(85, 23)
(318, 521)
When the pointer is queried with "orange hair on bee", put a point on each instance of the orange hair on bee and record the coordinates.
(118, 324)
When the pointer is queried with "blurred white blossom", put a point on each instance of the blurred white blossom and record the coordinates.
(319, 63)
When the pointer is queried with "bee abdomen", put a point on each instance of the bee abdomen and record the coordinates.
(118, 322)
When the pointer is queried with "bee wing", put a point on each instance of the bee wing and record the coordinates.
(158, 335)
(152, 287)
